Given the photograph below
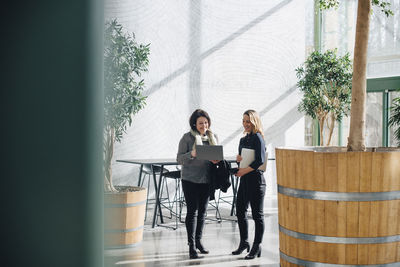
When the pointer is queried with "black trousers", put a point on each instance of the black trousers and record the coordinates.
(196, 197)
(251, 191)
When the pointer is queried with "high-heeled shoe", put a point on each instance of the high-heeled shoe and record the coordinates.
(242, 247)
(255, 251)
(200, 247)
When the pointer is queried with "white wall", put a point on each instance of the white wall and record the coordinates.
(222, 56)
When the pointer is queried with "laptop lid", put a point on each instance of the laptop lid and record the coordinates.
(210, 152)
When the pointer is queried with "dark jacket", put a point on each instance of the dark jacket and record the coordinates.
(255, 142)
(219, 178)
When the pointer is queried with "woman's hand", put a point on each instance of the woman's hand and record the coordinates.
(240, 172)
(243, 171)
(193, 153)
(215, 161)
(238, 158)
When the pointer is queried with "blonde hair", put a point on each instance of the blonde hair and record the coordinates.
(255, 120)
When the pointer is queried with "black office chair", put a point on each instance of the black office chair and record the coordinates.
(147, 172)
(173, 205)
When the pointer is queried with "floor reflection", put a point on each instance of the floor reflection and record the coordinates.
(166, 247)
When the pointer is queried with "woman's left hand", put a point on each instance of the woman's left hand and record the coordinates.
(243, 171)
(215, 161)
(240, 172)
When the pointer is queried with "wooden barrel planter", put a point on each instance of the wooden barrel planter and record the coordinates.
(124, 217)
(338, 207)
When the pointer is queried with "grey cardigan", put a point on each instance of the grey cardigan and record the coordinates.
(193, 170)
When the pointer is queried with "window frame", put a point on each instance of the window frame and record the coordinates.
(384, 85)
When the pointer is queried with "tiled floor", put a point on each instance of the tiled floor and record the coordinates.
(166, 247)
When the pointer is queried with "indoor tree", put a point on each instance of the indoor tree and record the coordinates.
(124, 63)
(356, 139)
(325, 80)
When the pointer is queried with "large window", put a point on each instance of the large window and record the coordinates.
(338, 27)
(373, 125)
(380, 94)
(384, 43)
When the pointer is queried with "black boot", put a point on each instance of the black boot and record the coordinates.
(200, 247)
(199, 234)
(190, 228)
(255, 251)
(242, 247)
(192, 252)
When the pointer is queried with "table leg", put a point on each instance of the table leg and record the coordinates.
(158, 189)
(159, 192)
(140, 175)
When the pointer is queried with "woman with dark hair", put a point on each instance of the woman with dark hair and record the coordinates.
(196, 178)
(252, 185)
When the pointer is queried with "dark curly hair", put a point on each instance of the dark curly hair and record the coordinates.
(197, 114)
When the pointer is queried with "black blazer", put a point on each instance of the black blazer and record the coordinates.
(219, 178)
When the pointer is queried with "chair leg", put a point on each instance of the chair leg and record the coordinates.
(162, 192)
(181, 201)
(168, 204)
(176, 202)
(217, 212)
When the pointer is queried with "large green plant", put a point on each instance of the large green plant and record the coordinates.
(394, 120)
(356, 140)
(124, 62)
(325, 80)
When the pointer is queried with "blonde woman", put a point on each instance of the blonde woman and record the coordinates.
(252, 185)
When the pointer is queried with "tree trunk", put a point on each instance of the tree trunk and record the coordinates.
(321, 130)
(356, 140)
(108, 155)
(331, 126)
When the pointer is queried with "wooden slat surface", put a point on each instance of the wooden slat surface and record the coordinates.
(386, 252)
(124, 218)
(339, 172)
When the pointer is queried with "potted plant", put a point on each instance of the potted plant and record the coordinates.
(124, 63)
(325, 80)
(394, 120)
(339, 206)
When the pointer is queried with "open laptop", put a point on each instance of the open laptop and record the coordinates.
(210, 152)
